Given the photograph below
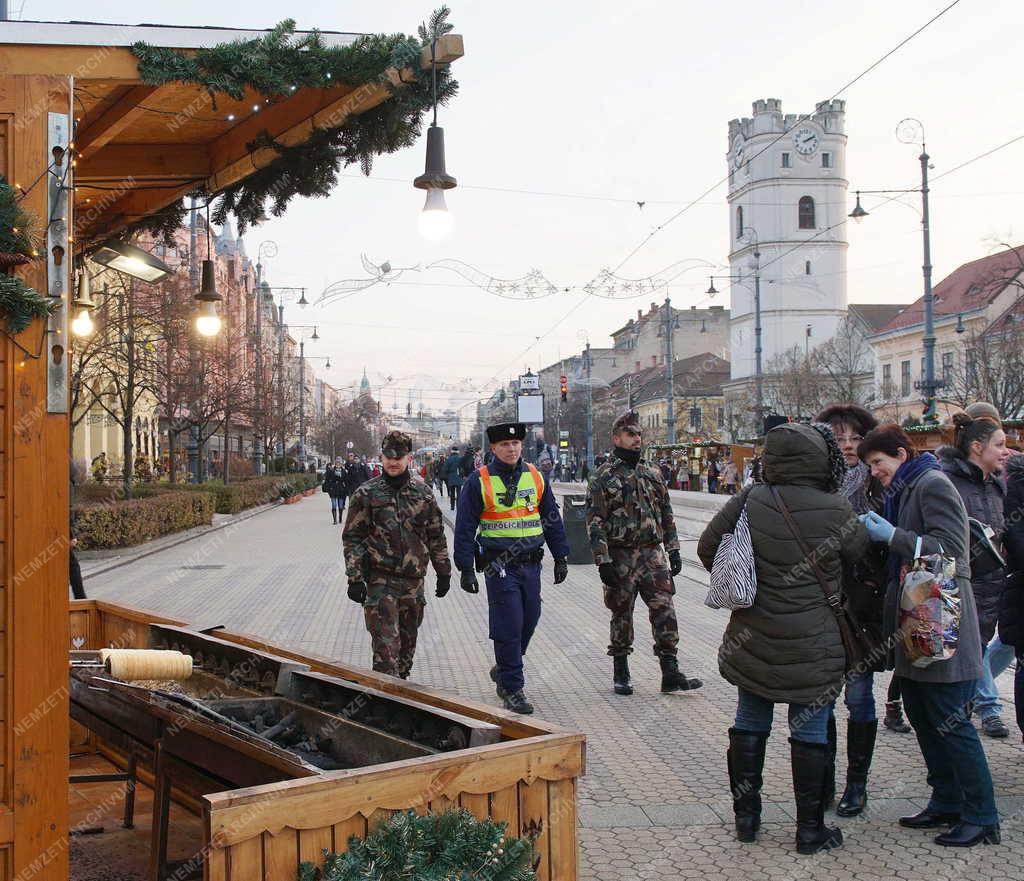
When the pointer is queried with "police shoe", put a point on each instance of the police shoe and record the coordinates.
(517, 703)
(497, 684)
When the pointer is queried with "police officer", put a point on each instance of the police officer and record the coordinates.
(506, 513)
(629, 518)
(393, 529)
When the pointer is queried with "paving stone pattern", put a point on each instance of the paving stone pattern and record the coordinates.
(654, 803)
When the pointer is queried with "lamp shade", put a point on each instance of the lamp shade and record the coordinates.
(434, 176)
(131, 260)
(208, 288)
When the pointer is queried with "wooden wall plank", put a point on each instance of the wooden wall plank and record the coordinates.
(344, 831)
(477, 805)
(244, 860)
(504, 808)
(533, 822)
(441, 804)
(313, 843)
(376, 818)
(562, 829)
(280, 856)
(215, 865)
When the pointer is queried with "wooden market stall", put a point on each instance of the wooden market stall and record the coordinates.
(92, 149)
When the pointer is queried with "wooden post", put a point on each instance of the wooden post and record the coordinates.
(33, 532)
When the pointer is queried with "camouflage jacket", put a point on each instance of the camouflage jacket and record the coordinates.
(628, 507)
(396, 532)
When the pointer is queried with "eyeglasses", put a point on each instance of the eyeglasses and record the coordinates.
(849, 438)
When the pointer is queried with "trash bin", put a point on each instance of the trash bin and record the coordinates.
(574, 516)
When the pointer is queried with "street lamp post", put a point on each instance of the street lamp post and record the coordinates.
(281, 330)
(911, 131)
(269, 248)
(590, 413)
(302, 390)
(670, 419)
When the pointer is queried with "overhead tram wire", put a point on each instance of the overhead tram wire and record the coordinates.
(772, 143)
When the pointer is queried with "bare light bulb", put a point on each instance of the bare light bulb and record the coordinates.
(208, 321)
(82, 326)
(436, 221)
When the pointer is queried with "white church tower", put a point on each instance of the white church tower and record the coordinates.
(787, 205)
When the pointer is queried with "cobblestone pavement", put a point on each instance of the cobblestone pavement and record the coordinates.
(654, 803)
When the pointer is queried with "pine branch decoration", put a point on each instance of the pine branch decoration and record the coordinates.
(16, 226)
(21, 304)
(454, 846)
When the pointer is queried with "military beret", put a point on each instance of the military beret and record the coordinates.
(628, 421)
(396, 444)
(506, 431)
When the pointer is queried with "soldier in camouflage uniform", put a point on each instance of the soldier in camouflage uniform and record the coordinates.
(394, 528)
(629, 517)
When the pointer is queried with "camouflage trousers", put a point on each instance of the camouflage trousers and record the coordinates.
(393, 610)
(642, 571)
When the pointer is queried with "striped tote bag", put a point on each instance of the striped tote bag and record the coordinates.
(733, 576)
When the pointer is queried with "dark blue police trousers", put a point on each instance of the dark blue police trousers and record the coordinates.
(514, 602)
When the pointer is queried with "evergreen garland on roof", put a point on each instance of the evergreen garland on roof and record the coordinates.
(21, 304)
(276, 64)
(16, 227)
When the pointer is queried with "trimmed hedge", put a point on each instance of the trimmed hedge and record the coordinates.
(130, 522)
(244, 494)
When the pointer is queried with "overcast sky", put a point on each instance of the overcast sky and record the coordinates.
(628, 102)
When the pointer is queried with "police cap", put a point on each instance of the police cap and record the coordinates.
(506, 431)
(396, 444)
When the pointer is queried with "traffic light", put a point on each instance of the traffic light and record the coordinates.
(564, 381)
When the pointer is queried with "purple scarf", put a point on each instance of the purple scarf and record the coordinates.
(906, 474)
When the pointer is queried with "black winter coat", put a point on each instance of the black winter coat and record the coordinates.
(984, 500)
(786, 647)
(1011, 607)
(334, 482)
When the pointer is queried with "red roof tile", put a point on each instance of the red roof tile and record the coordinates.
(971, 286)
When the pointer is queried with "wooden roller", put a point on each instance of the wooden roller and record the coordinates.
(134, 664)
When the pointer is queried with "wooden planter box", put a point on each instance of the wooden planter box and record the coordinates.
(262, 833)
(291, 500)
(310, 491)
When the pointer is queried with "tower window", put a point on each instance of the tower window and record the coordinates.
(826, 160)
(805, 212)
(739, 222)
(785, 160)
(807, 267)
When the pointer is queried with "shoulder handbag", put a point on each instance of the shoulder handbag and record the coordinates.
(929, 609)
(850, 632)
(733, 583)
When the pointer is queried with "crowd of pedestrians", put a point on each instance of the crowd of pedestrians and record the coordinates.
(866, 556)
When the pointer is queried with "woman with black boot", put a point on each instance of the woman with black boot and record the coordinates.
(786, 648)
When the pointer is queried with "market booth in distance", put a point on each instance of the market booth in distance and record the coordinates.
(92, 151)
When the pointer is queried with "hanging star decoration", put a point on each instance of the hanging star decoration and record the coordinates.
(384, 273)
(614, 287)
(532, 286)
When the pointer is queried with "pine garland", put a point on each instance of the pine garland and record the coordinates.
(15, 225)
(21, 304)
(276, 64)
(454, 846)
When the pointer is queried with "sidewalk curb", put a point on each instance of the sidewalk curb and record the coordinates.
(126, 560)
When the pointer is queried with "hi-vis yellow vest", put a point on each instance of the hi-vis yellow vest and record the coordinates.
(518, 520)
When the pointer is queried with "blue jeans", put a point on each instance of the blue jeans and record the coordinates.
(860, 697)
(996, 659)
(337, 503)
(957, 769)
(1018, 692)
(806, 723)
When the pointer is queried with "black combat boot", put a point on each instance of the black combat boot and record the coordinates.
(517, 703)
(334, 515)
(672, 681)
(497, 685)
(621, 679)
(860, 747)
(746, 762)
(830, 762)
(809, 762)
(894, 718)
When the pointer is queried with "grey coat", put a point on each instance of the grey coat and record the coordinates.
(931, 508)
(786, 648)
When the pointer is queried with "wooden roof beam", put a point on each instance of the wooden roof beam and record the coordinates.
(117, 162)
(115, 118)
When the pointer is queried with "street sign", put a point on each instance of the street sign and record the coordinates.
(529, 382)
(564, 444)
(349, 445)
(563, 433)
(530, 409)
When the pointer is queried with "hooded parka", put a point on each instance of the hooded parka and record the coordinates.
(786, 647)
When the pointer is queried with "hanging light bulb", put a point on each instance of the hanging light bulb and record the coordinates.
(328, 364)
(315, 336)
(436, 221)
(207, 319)
(83, 326)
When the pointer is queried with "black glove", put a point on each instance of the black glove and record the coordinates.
(607, 573)
(444, 583)
(469, 582)
(357, 591)
(675, 562)
(561, 571)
